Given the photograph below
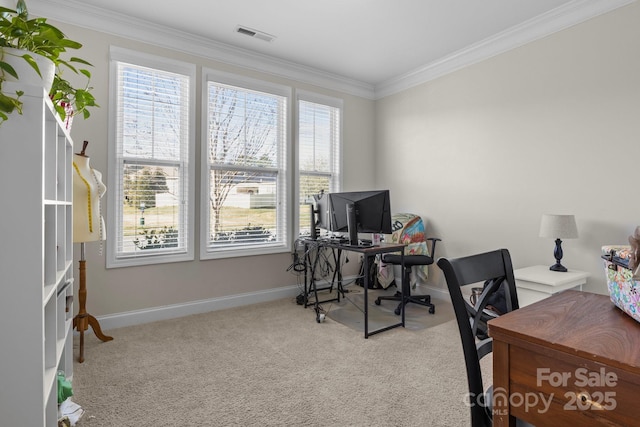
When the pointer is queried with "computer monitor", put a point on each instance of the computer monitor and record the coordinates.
(319, 214)
(360, 212)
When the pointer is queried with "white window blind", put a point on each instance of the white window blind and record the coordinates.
(319, 129)
(151, 203)
(245, 162)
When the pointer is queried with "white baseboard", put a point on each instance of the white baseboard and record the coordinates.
(138, 317)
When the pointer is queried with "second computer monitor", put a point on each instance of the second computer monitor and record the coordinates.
(360, 212)
(321, 210)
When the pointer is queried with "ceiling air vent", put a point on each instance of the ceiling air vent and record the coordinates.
(254, 33)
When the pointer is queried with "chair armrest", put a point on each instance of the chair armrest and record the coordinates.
(433, 246)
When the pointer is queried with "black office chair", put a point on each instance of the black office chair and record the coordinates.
(495, 271)
(409, 261)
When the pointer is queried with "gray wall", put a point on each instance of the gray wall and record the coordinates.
(481, 153)
(118, 290)
(550, 127)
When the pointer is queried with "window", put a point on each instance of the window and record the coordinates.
(245, 178)
(253, 187)
(151, 160)
(319, 130)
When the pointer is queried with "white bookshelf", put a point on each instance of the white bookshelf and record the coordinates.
(36, 260)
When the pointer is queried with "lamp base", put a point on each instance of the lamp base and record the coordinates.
(557, 254)
(558, 267)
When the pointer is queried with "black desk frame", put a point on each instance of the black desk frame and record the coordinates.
(311, 264)
(368, 253)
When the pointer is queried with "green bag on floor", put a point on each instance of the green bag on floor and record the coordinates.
(64, 387)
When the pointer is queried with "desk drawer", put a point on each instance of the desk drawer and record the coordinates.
(554, 388)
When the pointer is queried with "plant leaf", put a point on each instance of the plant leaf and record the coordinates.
(32, 62)
(80, 60)
(6, 12)
(9, 104)
(9, 69)
(21, 8)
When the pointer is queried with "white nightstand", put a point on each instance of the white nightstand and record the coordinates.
(538, 282)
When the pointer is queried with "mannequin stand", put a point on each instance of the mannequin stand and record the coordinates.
(83, 320)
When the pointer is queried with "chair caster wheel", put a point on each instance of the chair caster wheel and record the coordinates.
(397, 311)
(432, 309)
(377, 301)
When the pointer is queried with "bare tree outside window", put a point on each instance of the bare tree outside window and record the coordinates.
(243, 154)
(152, 154)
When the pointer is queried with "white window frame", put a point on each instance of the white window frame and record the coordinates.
(114, 224)
(285, 187)
(337, 164)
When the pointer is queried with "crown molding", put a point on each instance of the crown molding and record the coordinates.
(555, 20)
(78, 13)
(86, 16)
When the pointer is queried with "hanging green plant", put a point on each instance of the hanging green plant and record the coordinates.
(36, 38)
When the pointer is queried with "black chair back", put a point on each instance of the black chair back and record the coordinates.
(494, 271)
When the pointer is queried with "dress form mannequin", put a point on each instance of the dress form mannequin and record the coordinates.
(88, 226)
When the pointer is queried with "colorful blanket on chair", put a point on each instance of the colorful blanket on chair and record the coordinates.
(408, 229)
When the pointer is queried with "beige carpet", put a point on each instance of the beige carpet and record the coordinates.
(272, 364)
(349, 311)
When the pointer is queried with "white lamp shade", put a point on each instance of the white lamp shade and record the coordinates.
(558, 226)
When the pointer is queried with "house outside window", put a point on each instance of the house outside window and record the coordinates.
(246, 177)
(151, 165)
(255, 186)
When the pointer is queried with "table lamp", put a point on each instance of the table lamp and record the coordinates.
(558, 226)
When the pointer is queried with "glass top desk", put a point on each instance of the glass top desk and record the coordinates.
(367, 252)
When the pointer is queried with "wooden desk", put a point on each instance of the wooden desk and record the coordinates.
(575, 348)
